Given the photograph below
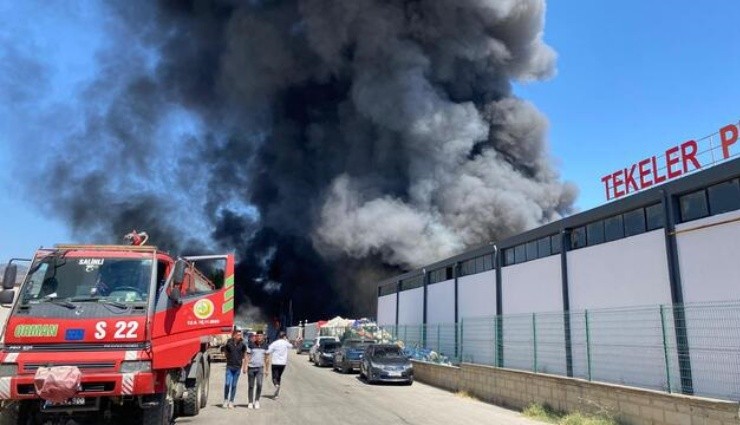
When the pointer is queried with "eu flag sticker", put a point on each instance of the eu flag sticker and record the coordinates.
(74, 334)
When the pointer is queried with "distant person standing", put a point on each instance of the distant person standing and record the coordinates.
(255, 369)
(278, 359)
(235, 352)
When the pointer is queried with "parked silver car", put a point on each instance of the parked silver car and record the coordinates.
(386, 363)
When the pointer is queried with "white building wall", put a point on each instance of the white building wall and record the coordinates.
(411, 307)
(476, 297)
(626, 345)
(441, 302)
(311, 330)
(441, 317)
(534, 287)
(624, 273)
(387, 310)
(411, 317)
(294, 333)
(709, 258)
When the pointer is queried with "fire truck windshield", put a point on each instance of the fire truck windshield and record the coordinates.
(118, 280)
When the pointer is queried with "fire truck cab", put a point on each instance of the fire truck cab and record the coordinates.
(98, 330)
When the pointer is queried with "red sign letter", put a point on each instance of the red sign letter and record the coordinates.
(629, 179)
(727, 140)
(657, 178)
(617, 177)
(688, 152)
(606, 180)
(670, 161)
(644, 172)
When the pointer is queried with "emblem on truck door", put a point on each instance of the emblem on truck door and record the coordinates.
(203, 309)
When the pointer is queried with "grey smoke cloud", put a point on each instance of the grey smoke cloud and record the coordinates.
(312, 134)
(453, 199)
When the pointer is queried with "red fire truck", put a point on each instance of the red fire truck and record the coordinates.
(101, 331)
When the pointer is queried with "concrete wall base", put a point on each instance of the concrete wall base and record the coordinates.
(632, 406)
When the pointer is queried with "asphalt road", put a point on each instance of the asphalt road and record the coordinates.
(312, 395)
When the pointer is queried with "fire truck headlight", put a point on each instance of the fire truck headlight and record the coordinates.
(8, 369)
(137, 366)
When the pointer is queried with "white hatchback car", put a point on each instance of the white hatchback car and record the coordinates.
(317, 341)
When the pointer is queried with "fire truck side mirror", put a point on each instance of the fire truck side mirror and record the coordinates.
(177, 279)
(179, 274)
(11, 272)
(6, 297)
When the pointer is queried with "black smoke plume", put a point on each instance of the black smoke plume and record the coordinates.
(329, 143)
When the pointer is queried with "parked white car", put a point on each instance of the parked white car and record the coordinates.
(312, 351)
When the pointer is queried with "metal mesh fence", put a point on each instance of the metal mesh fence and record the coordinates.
(713, 348)
(478, 341)
(549, 350)
(443, 339)
(623, 346)
(691, 349)
(518, 341)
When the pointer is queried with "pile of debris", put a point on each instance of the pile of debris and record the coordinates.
(426, 355)
(352, 329)
(366, 329)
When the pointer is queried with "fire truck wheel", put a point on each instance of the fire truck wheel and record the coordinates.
(205, 387)
(191, 403)
(162, 414)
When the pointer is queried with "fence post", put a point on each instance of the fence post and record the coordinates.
(500, 351)
(462, 339)
(534, 340)
(665, 348)
(494, 342)
(438, 336)
(588, 346)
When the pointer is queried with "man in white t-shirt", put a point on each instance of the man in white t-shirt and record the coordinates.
(278, 359)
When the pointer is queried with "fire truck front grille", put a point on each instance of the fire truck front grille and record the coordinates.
(97, 387)
(87, 387)
(85, 367)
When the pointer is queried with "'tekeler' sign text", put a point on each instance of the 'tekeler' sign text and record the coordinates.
(675, 162)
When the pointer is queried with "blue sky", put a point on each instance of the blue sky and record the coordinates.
(634, 78)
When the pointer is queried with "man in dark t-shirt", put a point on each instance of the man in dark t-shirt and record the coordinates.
(235, 351)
